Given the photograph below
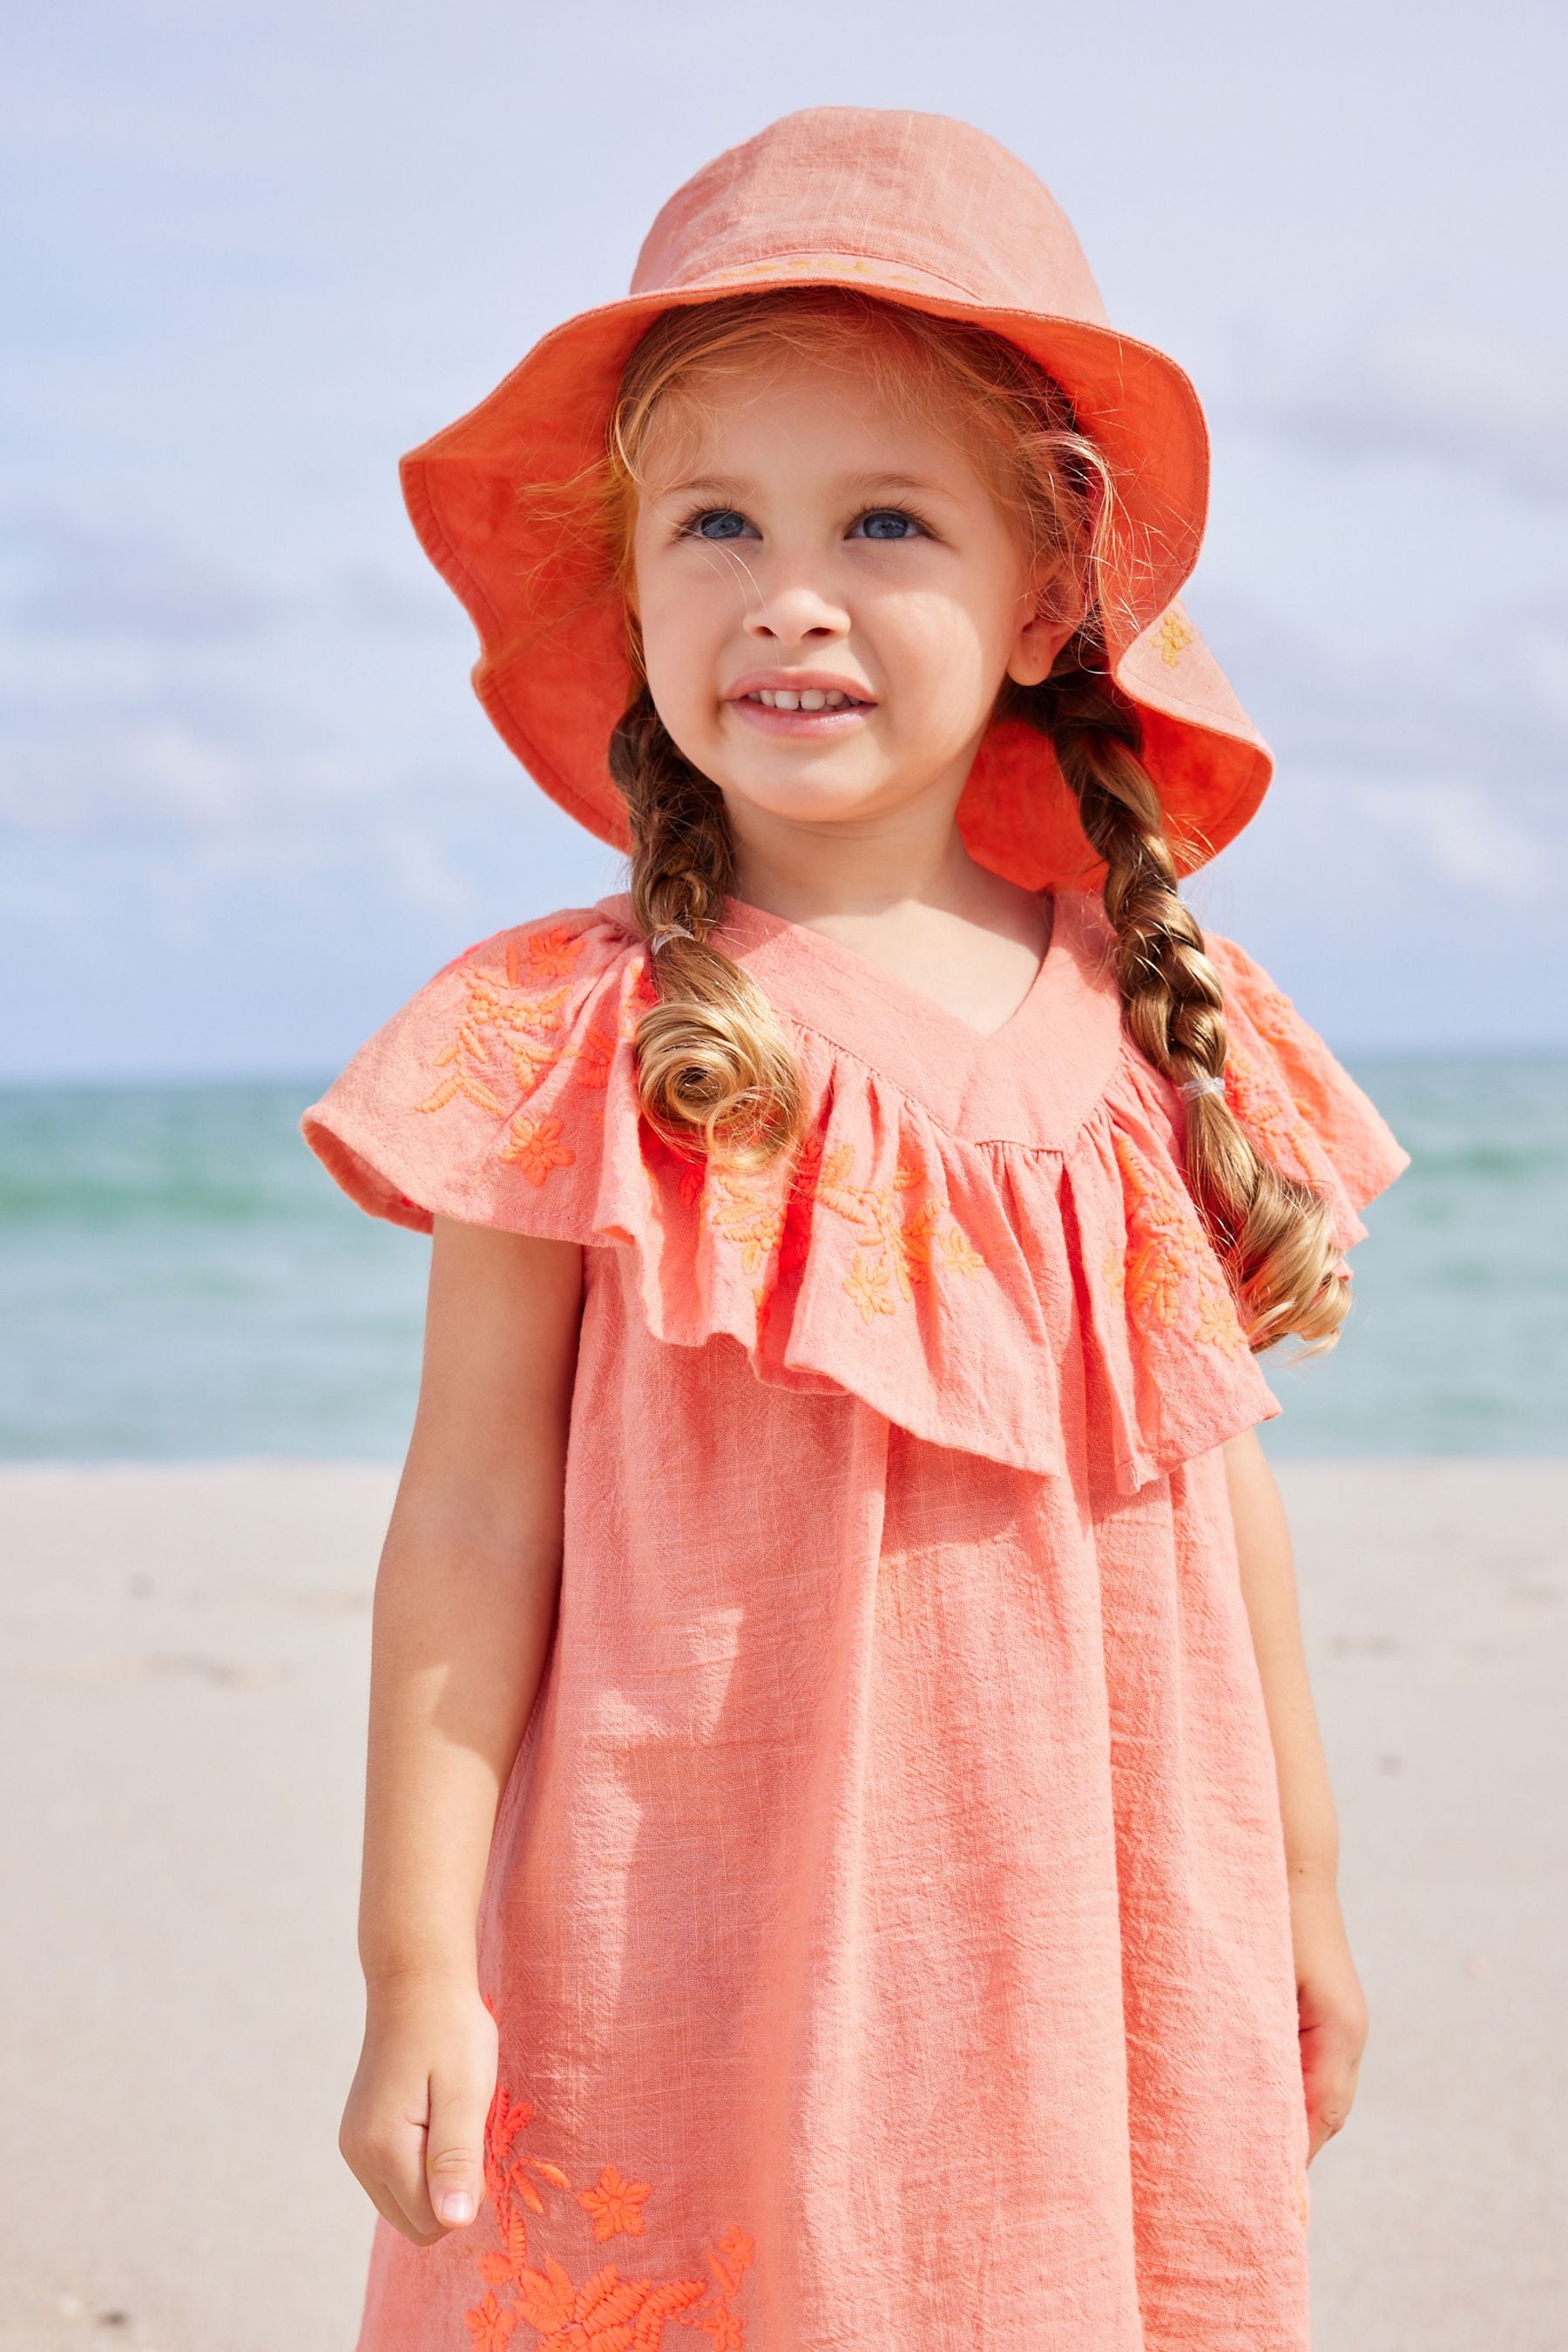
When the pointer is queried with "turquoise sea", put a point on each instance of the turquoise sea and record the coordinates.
(180, 1280)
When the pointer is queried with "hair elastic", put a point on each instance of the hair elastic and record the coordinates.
(667, 931)
(1202, 1084)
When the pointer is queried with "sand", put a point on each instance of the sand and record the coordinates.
(186, 1657)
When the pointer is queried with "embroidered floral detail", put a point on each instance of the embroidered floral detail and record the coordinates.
(490, 2325)
(603, 2312)
(1114, 1274)
(595, 1056)
(1173, 636)
(512, 1019)
(606, 2314)
(866, 1284)
(901, 1224)
(614, 2205)
(745, 1216)
(1218, 1321)
(535, 1145)
(1167, 1249)
(1302, 2202)
(905, 1229)
(1281, 1127)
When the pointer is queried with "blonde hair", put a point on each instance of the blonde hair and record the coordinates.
(717, 1073)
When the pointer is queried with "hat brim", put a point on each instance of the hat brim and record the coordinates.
(553, 672)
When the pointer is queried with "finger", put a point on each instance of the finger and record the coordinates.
(372, 2160)
(454, 2143)
(1328, 2114)
(391, 2211)
(392, 2171)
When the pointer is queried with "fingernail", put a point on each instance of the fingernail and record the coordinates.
(456, 2206)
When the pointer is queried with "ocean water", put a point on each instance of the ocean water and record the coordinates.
(179, 1279)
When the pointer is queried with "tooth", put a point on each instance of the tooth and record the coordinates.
(833, 699)
(782, 701)
(764, 697)
(814, 699)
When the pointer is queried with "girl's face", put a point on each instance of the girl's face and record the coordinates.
(829, 595)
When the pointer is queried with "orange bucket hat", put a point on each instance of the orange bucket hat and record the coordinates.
(915, 209)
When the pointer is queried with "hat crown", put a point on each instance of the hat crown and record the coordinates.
(841, 191)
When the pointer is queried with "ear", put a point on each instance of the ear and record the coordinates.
(1051, 610)
(1036, 647)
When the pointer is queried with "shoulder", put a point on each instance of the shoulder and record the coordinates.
(567, 947)
(510, 996)
(1291, 1092)
(455, 1101)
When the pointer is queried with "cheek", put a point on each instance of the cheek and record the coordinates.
(939, 651)
(685, 619)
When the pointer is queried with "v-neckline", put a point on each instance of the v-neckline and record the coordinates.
(1032, 1082)
(743, 916)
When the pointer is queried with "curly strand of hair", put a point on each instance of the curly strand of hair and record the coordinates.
(715, 1070)
(1272, 1232)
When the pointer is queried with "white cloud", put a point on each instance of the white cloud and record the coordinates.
(1456, 831)
(1431, 387)
(1543, 651)
(73, 581)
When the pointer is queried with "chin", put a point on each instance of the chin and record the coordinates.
(801, 788)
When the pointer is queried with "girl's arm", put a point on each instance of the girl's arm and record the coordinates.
(1329, 2002)
(465, 1603)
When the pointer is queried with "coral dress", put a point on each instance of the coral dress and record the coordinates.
(886, 1920)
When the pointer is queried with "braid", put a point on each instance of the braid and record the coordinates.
(714, 1067)
(1272, 1232)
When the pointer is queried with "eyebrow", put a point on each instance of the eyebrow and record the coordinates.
(920, 483)
(714, 485)
(733, 486)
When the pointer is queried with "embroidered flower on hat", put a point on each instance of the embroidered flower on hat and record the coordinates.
(1173, 636)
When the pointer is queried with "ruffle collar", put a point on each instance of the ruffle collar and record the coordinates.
(1033, 1081)
(987, 1239)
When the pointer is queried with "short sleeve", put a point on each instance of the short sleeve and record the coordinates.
(483, 1098)
(1300, 1106)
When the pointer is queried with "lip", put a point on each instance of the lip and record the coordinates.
(798, 681)
(812, 724)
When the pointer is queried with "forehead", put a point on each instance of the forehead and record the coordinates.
(842, 412)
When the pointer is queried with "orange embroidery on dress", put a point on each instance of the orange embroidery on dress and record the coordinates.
(1218, 1321)
(614, 2205)
(512, 1016)
(603, 2312)
(746, 1217)
(595, 1056)
(1271, 1013)
(549, 955)
(1166, 1249)
(1173, 636)
(1302, 2206)
(903, 1237)
(1281, 1125)
(536, 1147)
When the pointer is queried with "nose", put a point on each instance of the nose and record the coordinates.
(791, 608)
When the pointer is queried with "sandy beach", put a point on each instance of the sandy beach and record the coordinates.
(186, 1656)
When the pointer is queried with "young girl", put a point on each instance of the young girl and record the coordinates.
(848, 1859)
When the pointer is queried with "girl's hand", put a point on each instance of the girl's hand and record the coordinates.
(1330, 2006)
(413, 2133)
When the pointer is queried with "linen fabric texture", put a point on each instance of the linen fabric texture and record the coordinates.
(886, 1920)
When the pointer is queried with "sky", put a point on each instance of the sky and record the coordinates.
(248, 800)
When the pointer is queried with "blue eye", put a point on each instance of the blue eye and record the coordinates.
(718, 522)
(887, 522)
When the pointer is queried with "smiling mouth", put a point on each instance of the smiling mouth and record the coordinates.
(809, 697)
